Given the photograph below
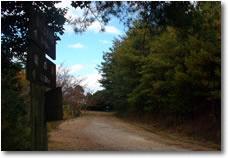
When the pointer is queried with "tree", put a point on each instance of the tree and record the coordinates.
(98, 101)
(14, 41)
(76, 98)
(178, 14)
(169, 62)
(170, 69)
(72, 89)
(15, 19)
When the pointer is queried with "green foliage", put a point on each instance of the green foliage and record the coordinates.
(15, 115)
(15, 19)
(174, 71)
(16, 132)
(67, 112)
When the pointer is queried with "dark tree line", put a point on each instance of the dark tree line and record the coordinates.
(169, 68)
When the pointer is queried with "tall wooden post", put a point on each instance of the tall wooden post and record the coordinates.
(41, 73)
(39, 127)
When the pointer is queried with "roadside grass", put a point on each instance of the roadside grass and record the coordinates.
(182, 132)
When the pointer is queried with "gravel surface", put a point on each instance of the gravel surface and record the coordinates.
(100, 131)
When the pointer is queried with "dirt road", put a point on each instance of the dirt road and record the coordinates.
(100, 131)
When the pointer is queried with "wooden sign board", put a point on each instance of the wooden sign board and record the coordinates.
(40, 70)
(41, 35)
(54, 104)
(49, 73)
(35, 60)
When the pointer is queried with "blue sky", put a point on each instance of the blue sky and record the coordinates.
(81, 53)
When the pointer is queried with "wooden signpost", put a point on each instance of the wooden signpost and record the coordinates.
(49, 77)
(53, 104)
(41, 72)
(42, 36)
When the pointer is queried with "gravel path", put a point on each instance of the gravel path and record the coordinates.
(100, 131)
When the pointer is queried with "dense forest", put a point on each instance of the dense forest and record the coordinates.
(171, 72)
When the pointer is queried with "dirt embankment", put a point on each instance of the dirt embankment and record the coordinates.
(100, 131)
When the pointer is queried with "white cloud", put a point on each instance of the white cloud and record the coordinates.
(75, 68)
(112, 30)
(71, 13)
(76, 45)
(96, 27)
(74, 13)
(91, 81)
(105, 42)
(68, 28)
(63, 4)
